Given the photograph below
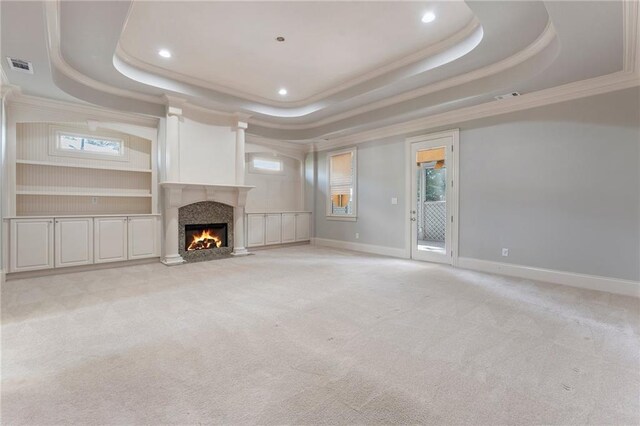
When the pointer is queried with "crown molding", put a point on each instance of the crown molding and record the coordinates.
(576, 90)
(4, 80)
(52, 21)
(631, 30)
(9, 91)
(80, 112)
(538, 45)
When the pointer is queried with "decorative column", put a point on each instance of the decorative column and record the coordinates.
(172, 196)
(238, 211)
(238, 223)
(172, 144)
(172, 199)
(240, 160)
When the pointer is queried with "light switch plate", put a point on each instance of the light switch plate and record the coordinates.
(394, 200)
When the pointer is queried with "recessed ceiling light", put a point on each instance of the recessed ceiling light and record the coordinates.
(164, 53)
(282, 92)
(428, 17)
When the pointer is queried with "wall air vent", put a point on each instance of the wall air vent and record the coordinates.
(508, 95)
(20, 65)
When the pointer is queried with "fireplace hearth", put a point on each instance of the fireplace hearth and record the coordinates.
(205, 231)
(205, 236)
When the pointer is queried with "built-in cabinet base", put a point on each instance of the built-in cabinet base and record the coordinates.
(63, 242)
(264, 229)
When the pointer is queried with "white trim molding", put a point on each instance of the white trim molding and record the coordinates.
(590, 282)
(570, 91)
(360, 247)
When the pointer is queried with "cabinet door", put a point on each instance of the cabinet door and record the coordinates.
(110, 238)
(288, 227)
(273, 229)
(302, 226)
(143, 237)
(255, 230)
(31, 244)
(74, 242)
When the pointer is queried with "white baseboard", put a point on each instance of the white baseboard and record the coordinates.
(591, 282)
(366, 248)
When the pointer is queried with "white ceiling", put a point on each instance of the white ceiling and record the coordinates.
(233, 46)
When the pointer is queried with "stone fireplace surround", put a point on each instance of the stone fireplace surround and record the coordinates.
(204, 212)
(177, 195)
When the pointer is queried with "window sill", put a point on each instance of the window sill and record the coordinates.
(343, 218)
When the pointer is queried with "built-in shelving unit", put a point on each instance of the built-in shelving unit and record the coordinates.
(83, 194)
(82, 166)
(50, 184)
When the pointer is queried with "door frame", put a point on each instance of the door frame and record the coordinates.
(453, 197)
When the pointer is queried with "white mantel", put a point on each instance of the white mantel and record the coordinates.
(178, 194)
(197, 150)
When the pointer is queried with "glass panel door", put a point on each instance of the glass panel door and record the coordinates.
(430, 227)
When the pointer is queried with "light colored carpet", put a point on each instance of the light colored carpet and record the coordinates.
(308, 335)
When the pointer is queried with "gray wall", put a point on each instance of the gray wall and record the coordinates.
(557, 185)
(380, 177)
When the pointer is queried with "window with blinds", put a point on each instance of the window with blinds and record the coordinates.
(342, 184)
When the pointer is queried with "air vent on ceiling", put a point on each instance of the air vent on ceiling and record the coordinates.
(20, 65)
(508, 95)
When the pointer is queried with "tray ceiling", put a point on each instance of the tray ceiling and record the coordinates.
(233, 46)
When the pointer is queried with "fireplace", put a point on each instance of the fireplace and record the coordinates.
(205, 231)
(205, 237)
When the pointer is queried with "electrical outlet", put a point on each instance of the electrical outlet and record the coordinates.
(94, 200)
(357, 235)
(505, 252)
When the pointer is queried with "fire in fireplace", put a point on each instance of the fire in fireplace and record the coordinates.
(202, 237)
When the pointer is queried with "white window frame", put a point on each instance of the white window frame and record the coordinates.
(253, 169)
(353, 216)
(56, 132)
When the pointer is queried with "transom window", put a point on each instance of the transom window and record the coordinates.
(266, 164)
(90, 144)
(103, 145)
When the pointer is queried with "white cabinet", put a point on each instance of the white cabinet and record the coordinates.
(255, 230)
(303, 223)
(73, 242)
(110, 237)
(31, 244)
(273, 228)
(288, 227)
(143, 232)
